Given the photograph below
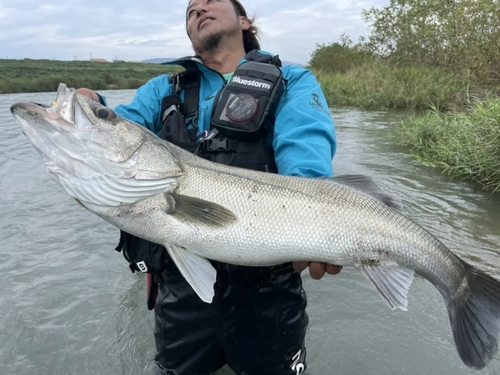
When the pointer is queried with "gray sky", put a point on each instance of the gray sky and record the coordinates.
(151, 28)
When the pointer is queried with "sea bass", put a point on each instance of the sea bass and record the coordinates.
(201, 210)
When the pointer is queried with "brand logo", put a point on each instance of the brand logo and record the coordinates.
(142, 266)
(297, 366)
(316, 104)
(251, 82)
(315, 97)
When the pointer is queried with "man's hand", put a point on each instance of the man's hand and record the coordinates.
(317, 270)
(88, 93)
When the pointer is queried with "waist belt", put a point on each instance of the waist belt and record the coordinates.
(250, 275)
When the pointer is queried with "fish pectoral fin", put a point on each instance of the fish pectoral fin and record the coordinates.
(107, 189)
(198, 211)
(392, 283)
(197, 271)
(366, 185)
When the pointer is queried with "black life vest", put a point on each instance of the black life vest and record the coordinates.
(237, 143)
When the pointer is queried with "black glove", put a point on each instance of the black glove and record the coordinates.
(144, 256)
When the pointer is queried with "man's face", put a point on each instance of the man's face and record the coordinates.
(209, 21)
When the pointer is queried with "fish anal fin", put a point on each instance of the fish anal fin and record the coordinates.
(391, 282)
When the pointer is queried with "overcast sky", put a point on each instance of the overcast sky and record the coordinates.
(152, 28)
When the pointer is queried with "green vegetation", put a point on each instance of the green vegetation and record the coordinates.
(442, 57)
(463, 144)
(459, 36)
(373, 85)
(357, 78)
(45, 75)
(420, 54)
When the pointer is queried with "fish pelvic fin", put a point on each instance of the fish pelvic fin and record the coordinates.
(198, 271)
(366, 185)
(198, 211)
(391, 283)
(474, 313)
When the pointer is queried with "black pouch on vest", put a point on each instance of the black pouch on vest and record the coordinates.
(248, 101)
(177, 130)
(176, 116)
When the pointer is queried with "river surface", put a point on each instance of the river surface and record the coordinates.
(70, 305)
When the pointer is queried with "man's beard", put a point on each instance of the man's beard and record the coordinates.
(212, 42)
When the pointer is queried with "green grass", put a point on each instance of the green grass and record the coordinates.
(20, 76)
(448, 130)
(463, 144)
(375, 85)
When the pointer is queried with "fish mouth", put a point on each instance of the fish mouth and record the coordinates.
(23, 109)
(32, 118)
(63, 108)
(48, 127)
(22, 112)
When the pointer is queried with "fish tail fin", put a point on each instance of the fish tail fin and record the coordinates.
(474, 313)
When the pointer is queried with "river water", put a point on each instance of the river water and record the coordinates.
(70, 305)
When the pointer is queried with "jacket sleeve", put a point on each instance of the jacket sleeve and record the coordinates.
(145, 107)
(304, 134)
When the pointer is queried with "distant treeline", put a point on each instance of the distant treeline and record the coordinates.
(28, 75)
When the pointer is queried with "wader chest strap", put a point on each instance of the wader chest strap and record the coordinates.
(189, 81)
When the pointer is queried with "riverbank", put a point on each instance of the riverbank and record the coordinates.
(24, 76)
(455, 125)
(462, 144)
(374, 85)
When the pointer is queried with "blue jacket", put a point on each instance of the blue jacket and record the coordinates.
(304, 137)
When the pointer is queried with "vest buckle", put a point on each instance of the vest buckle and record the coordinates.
(216, 145)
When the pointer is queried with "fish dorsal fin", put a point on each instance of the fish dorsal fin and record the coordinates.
(366, 185)
(197, 271)
(392, 283)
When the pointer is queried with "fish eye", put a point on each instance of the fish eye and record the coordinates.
(104, 113)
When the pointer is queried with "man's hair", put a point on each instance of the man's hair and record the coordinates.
(250, 36)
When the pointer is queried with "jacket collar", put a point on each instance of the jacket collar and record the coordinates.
(194, 62)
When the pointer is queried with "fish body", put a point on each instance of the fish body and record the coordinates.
(202, 210)
(279, 219)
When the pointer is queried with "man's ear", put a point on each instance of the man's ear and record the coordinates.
(244, 23)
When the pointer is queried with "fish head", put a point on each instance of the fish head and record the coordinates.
(85, 144)
(77, 127)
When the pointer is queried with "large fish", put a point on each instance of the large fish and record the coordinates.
(201, 210)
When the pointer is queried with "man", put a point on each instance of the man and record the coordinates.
(250, 112)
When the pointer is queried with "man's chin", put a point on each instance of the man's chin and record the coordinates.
(212, 41)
